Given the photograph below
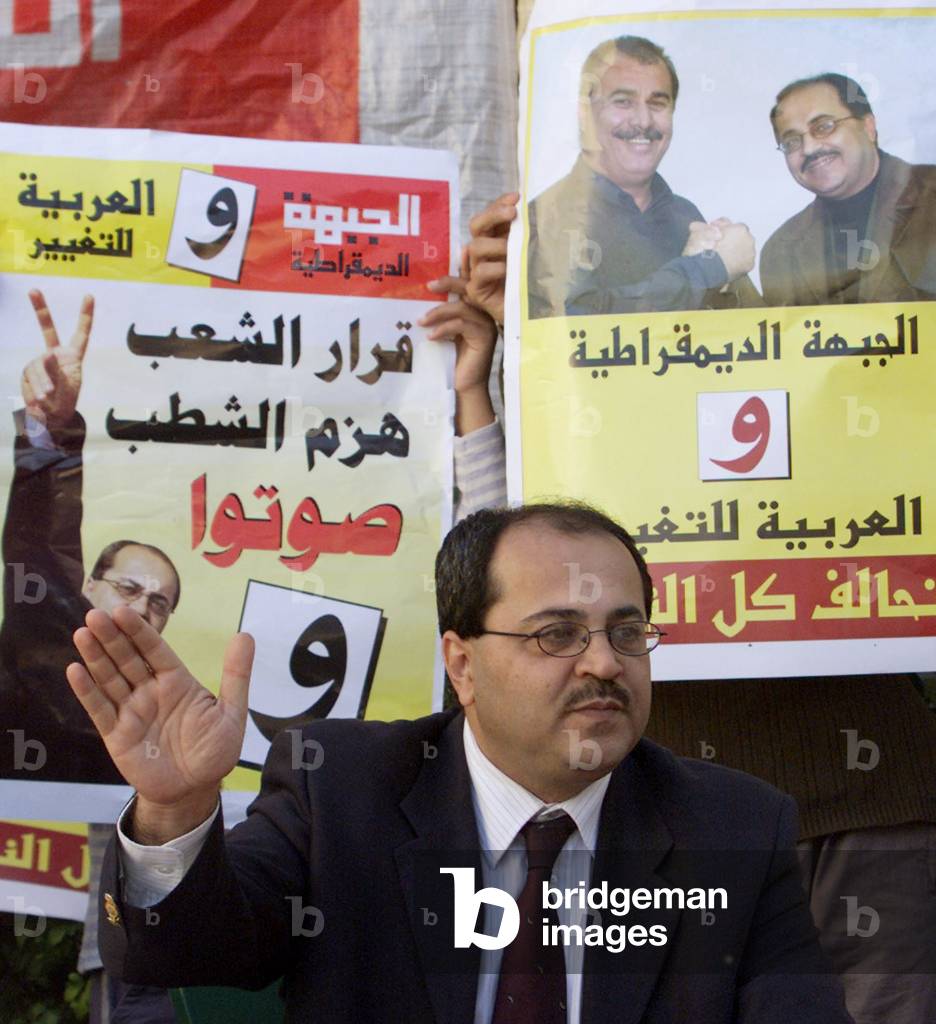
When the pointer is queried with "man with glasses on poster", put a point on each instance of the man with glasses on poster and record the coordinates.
(44, 732)
(868, 234)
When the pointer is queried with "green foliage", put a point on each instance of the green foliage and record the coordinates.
(40, 984)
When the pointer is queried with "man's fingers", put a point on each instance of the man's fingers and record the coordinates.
(38, 381)
(149, 644)
(495, 217)
(101, 710)
(235, 672)
(488, 273)
(481, 250)
(82, 335)
(29, 395)
(53, 371)
(49, 334)
(100, 665)
(125, 657)
(441, 312)
(448, 328)
(448, 284)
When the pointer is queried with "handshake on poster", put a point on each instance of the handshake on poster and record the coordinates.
(733, 242)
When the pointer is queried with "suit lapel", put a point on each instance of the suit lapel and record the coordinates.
(807, 254)
(632, 841)
(893, 202)
(440, 810)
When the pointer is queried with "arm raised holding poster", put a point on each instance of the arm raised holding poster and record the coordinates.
(474, 334)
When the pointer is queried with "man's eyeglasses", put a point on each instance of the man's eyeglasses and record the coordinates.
(792, 142)
(130, 591)
(570, 639)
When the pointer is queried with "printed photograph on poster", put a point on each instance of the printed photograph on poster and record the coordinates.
(176, 438)
(674, 163)
(785, 521)
(45, 868)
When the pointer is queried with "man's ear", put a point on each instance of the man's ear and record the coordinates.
(88, 589)
(457, 655)
(870, 126)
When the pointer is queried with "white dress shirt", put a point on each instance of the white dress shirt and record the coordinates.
(501, 806)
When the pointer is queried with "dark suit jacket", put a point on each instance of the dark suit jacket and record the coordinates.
(361, 839)
(901, 226)
(43, 606)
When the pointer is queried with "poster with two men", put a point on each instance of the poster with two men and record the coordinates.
(725, 321)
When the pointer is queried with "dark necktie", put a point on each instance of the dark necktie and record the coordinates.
(532, 983)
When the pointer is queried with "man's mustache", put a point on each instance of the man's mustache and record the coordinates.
(644, 134)
(599, 689)
(818, 155)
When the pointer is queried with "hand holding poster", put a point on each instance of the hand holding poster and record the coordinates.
(725, 297)
(249, 425)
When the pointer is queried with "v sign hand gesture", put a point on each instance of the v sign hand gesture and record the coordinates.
(51, 382)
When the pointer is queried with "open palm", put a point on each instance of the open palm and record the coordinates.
(168, 736)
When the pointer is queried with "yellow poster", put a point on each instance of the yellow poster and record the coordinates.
(724, 304)
(223, 413)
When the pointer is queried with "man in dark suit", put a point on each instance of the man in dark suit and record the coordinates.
(44, 733)
(869, 234)
(335, 879)
(46, 591)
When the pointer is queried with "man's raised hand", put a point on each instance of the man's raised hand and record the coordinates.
(51, 382)
(170, 738)
(487, 255)
(475, 335)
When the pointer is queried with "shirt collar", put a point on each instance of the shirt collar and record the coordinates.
(502, 806)
(659, 190)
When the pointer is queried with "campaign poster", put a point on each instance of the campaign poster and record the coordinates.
(722, 327)
(258, 435)
(45, 869)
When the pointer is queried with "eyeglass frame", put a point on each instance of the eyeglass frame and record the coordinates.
(141, 590)
(810, 130)
(591, 632)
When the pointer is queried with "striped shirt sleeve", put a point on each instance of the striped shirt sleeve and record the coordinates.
(480, 470)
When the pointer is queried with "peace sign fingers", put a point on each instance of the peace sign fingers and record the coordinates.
(49, 333)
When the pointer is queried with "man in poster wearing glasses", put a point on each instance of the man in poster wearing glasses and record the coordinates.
(867, 236)
(46, 733)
